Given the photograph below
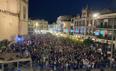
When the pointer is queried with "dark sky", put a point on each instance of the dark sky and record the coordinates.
(51, 9)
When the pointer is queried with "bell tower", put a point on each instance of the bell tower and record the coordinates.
(85, 12)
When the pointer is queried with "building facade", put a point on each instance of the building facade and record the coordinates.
(54, 28)
(100, 27)
(65, 23)
(83, 24)
(12, 20)
(106, 27)
(37, 26)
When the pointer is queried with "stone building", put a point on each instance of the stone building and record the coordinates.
(13, 18)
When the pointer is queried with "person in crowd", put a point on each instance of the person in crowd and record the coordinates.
(58, 53)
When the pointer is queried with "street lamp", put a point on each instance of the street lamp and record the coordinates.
(36, 25)
(95, 15)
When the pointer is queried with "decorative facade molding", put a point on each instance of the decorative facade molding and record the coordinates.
(8, 12)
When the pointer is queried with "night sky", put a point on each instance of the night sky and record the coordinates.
(51, 9)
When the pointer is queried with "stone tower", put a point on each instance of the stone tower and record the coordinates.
(85, 12)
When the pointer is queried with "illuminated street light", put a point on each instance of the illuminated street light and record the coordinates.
(79, 36)
(95, 15)
(36, 24)
(93, 39)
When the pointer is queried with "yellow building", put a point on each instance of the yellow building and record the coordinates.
(37, 26)
(13, 18)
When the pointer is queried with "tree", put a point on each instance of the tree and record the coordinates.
(88, 42)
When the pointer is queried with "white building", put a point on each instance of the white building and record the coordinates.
(65, 23)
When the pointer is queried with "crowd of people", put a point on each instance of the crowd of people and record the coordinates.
(51, 52)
